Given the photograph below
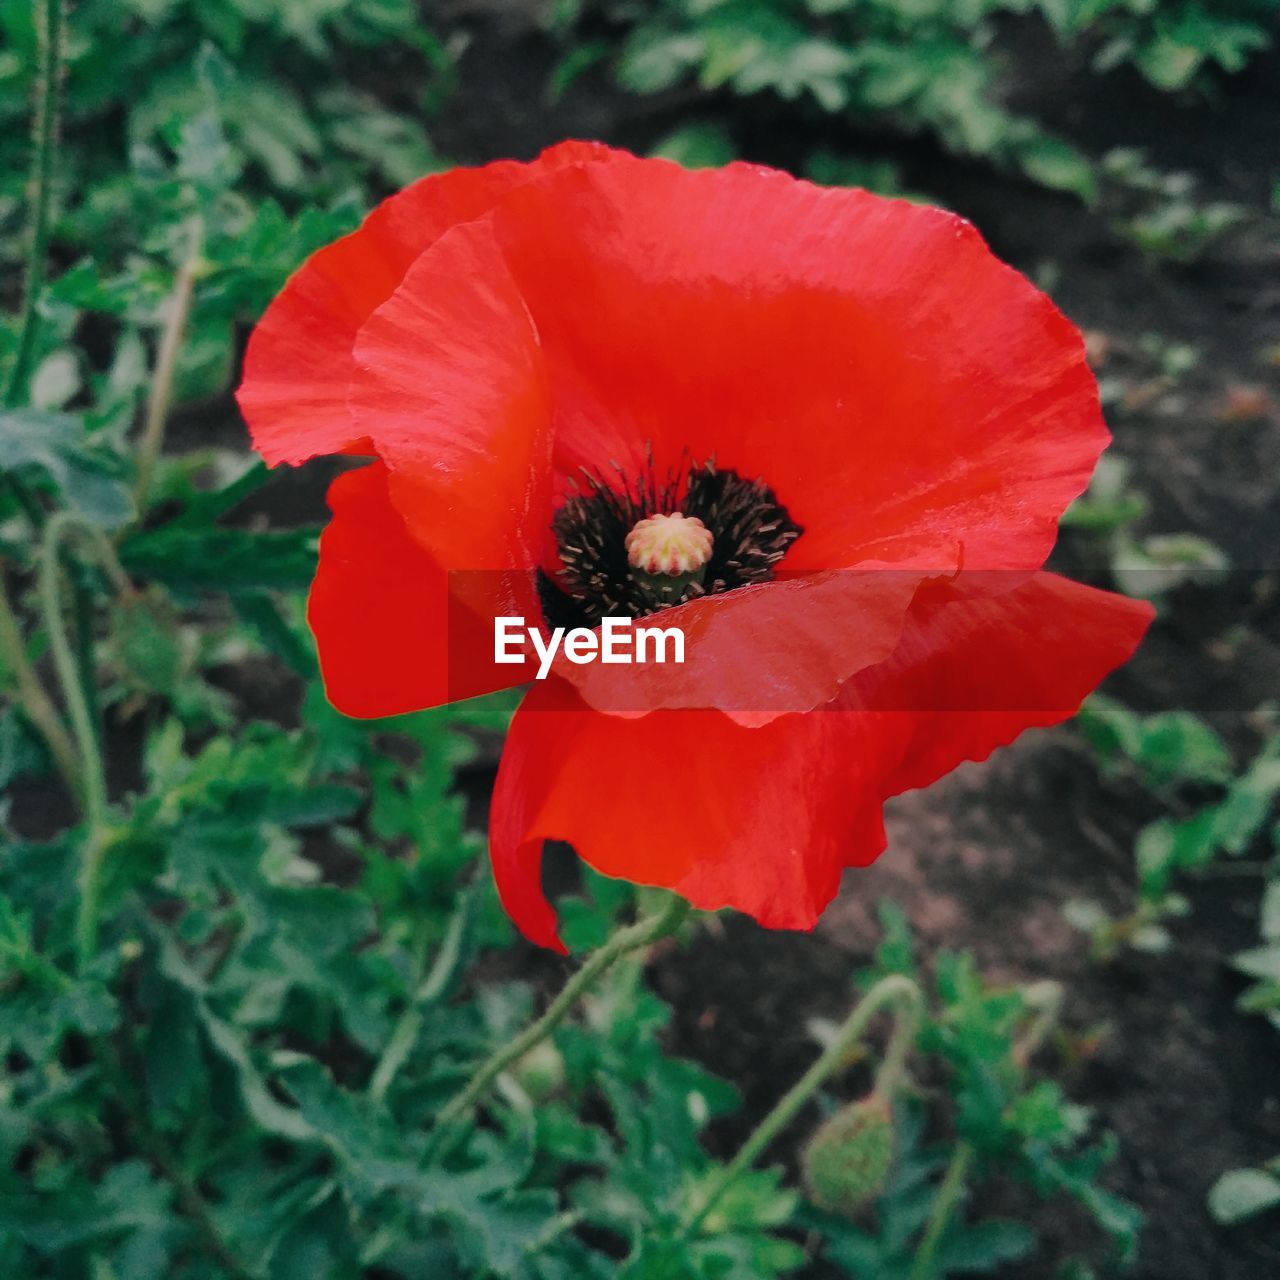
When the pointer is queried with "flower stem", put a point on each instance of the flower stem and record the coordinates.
(32, 697)
(897, 990)
(635, 936)
(177, 308)
(49, 30)
(943, 1206)
(79, 707)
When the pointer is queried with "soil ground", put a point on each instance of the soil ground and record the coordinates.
(985, 859)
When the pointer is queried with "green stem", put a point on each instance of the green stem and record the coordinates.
(943, 1207)
(160, 395)
(49, 29)
(79, 707)
(897, 990)
(32, 697)
(433, 986)
(902, 1039)
(82, 606)
(632, 938)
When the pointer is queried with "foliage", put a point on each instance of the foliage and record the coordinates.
(909, 67)
(1161, 213)
(1007, 1120)
(1174, 43)
(293, 127)
(241, 150)
(1151, 565)
(1244, 1193)
(1174, 752)
(234, 996)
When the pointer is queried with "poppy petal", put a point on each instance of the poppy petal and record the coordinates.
(300, 357)
(908, 397)
(726, 816)
(761, 651)
(450, 387)
(978, 664)
(381, 611)
(765, 819)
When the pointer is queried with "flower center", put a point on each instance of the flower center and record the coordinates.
(629, 548)
(667, 553)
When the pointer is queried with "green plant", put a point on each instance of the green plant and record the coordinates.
(977, 1046)
(1168, 751)
(1174, 43)
(1146, 565)
(1239, 1194)
(1244, 1193)
(934, 68)
(906, 67)
(238, 143)
(1161, 213)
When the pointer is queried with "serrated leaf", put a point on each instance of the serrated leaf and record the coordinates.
(57, 444)
(230, 560)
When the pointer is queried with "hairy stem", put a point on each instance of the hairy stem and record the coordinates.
(177, 309)
(943, 1207)
(632, 938)
(896, 990)
(49, 31)
(32, 697)
(80, 709)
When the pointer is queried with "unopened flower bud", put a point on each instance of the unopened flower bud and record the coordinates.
(540, 1072)
(846, 1162)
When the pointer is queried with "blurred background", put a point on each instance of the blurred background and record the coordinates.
(297, 954)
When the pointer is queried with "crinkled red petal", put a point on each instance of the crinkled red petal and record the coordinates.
(301, 356)
(903, 391)
(916, 405)
(765, 819)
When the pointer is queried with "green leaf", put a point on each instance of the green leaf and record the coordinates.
(1178, 745)
(1056, 164)
(1243, 1193)
(985, 1247)
(1250, 800)
(58, 446)
(21, 752)
(697, 146)
(231, 560)
(259, 1101)
(1259, 962)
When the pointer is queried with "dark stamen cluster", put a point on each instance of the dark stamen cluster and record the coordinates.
(750, 528)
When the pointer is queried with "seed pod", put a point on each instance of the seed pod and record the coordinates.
(846, 1162)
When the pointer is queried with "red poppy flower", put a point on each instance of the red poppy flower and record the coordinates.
(826, 434)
